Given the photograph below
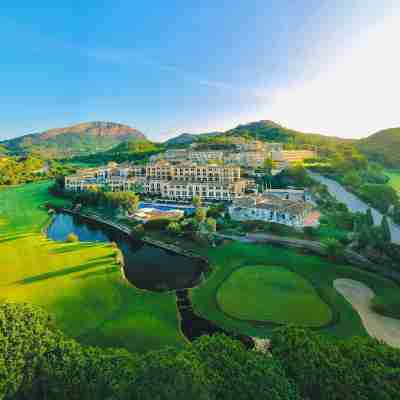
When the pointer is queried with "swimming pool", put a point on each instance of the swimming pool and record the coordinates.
(167, 207)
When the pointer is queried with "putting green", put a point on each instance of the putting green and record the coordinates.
(272, 294)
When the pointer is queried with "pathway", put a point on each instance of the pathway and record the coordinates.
(354, 203)
(351, 255)
(360, 297)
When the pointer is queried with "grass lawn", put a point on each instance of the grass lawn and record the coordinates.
(78, 283)
(394, 176)
(319, 272)
(273, 294)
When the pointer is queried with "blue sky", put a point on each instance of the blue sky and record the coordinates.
(176, 66)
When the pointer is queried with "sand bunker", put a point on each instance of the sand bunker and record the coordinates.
(360, 296)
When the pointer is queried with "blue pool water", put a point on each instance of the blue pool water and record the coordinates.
(167, 207)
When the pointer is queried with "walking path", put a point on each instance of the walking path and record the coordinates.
(128, 231)
(360, 297)
(351, 256)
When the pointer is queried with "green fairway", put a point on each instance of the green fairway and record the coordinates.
(394, 176)
(272, 294)
(319, 272)
(78, 283)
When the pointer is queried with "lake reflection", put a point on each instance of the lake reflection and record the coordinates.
(147, 267)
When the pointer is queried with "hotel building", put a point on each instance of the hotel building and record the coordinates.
(172, 181)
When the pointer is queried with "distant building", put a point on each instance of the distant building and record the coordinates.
(239, 151)
(292, 156)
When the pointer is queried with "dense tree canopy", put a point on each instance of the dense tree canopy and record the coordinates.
(358, 368)
(39, 362)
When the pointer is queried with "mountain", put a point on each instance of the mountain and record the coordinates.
(188, 138)
(263, 130)
(84, 138)
(383, 146)
(271, 131)
(3, 149)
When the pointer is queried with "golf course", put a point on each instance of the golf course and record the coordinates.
(251, 289)
(272, 294)
(254, 287)
(79, 284)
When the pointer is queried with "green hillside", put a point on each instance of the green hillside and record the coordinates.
(85, 138)
(383, 146)
(263, 130)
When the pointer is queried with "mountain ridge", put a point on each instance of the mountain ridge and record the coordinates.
(101, 136)
(74, 139)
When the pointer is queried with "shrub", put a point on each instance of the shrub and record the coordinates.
(201, 214)
(388, 306)
(334, 249)
(138, 231)
(72, 238)
(174, 228)
(157, 224)
(310, 232)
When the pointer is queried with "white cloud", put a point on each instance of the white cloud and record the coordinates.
(358, 93)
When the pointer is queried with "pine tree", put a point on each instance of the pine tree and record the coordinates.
(369, 218)
(386, 235)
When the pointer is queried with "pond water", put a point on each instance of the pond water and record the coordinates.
(147, 267)
(354, 203)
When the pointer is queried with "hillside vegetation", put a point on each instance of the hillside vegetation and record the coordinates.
(130, 150)
(383, 147)
(78, 139)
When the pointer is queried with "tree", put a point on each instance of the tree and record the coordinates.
(369, 218)
(352, 179)
(174, 228)
(357, 368)
(333, 247)
(228, 366)
(170, 375)
(386, 234)
(201, 214)
(196, 201)
(128, 201)
(139, 231)
(268, 165)
(211, 225)
(72, 238)
(25, 333)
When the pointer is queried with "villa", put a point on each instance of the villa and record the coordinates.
(270, 208)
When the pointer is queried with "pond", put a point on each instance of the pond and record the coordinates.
(354, 203)
(146, 267)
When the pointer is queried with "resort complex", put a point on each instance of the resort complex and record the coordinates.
(180, 181)
(211, 175)
(247, 154)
